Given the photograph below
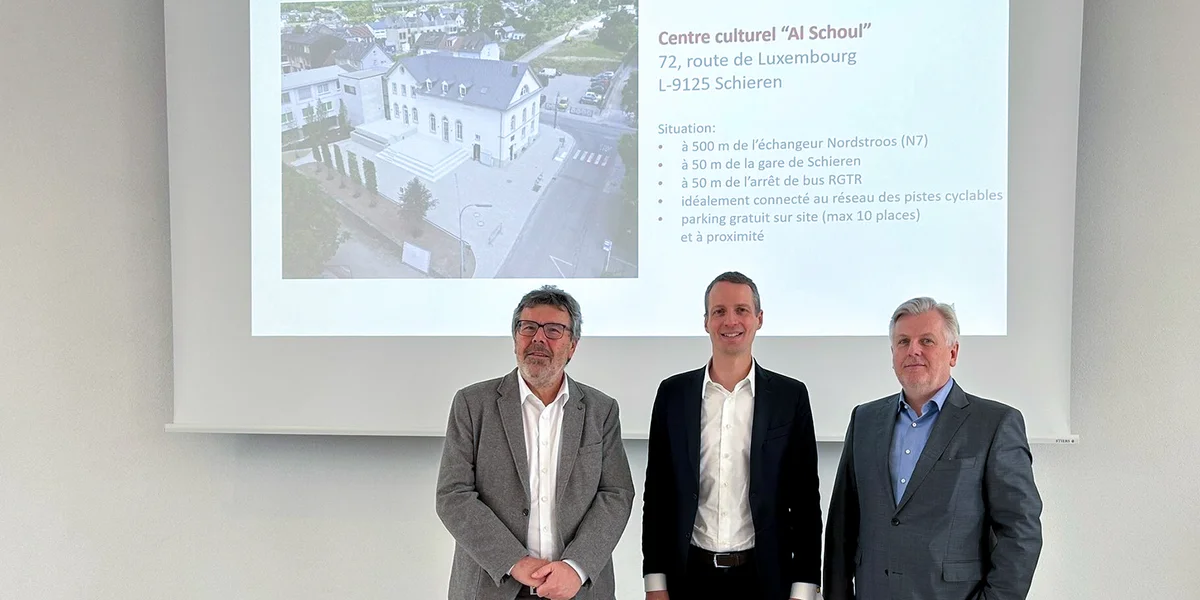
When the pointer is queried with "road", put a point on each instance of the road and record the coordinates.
(565, 234)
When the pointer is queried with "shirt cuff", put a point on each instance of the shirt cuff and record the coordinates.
(805, 591)
(656, 582)
(578, 570)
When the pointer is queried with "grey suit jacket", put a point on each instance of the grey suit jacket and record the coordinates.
(483, 488)
(968, 525)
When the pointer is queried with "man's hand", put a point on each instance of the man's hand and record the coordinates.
(659, 595)
(524, 571)
(561, 581)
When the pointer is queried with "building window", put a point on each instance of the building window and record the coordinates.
(322, 88)
(512, 123)
(524, 114)
(304, 93)
(432, 123)
(350, 90)
(445, 88)
(394, 90)
(522, 132)
(428, 85)
(328, 106)
(286, 97)
(477, 137)
(524, 90)
(403, 91)
(406, 114)
(288, 117)
(415, 119)
(462, 90)
(395, 109)
(413, 90)
(458, 130)
(445, 129)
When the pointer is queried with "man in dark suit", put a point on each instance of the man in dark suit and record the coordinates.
(732, 505)
(934, 497)
(534, 484)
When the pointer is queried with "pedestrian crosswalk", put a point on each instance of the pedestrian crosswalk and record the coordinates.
(596, 159)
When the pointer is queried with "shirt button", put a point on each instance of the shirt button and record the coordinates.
(906, 452)
(543, 498)
(914, 424)
(903, 481)
(729, 427)
(543, 470)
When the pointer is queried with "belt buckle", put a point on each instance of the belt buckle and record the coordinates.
(717, 556)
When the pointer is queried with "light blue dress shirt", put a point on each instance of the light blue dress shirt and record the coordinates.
(910, 435)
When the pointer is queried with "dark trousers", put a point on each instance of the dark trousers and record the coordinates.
(707, 581)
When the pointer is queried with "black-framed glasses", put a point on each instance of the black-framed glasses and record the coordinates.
(530, 329)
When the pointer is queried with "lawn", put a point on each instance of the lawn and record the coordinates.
(580, 56)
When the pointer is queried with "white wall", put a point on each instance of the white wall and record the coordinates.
(97, 502)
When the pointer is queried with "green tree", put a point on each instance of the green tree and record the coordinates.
(341, 165)
(490, 13)
(343, 118)
(355, 176)
(415, 202)
(357, 12)
(372, 184)
(311, 230)
(629, 96)
(619, 31)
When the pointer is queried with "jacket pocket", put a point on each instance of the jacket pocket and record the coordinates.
(598, 446)
(962, 570)
(954, 463)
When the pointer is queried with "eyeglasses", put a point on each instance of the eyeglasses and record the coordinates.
(530, 329)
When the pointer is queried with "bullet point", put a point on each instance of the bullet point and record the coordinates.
(660, 200)
(660, 218)
(660, 183)
(660, 164)
(660, 146)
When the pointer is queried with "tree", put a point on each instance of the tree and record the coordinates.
(327, 158)
(619, 31)
(415, 202)
(490, 13)
(372, 185)
(298, 29)
(341, 166)
(311, 230)
(343, 118)
(629, 96)
(355, 176)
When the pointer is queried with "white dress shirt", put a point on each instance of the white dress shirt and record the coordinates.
(723, 520)
(543, 440)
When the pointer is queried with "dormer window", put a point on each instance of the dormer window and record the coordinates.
(428, 85)
(445, 88)
(462, 90)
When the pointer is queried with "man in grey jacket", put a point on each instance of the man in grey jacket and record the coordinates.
(534, 483)
(934, 497)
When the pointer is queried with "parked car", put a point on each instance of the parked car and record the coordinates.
(562, 103)
(548, 72)
(590, 98)
(598, 89)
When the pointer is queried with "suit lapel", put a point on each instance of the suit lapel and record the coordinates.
(884, 428)
(572, 433)
(693, 397)
(762, 417)
(509, 405)
(953, 412)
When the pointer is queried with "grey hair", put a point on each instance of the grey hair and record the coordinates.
(922, 305)
(549, 295)
(738, 278)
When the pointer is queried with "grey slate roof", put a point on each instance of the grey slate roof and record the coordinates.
(490, 83)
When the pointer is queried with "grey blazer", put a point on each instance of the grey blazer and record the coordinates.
(968, 525)
(483, 488)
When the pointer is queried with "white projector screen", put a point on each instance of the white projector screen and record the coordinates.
(385, 180)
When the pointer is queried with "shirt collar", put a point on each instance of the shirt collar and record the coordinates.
(752, 377)
(937, 400)
(564, 391)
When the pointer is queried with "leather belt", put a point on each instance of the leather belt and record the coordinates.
(724, 560)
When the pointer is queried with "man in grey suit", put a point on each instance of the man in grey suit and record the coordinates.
(934, 497)
(534, 483)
